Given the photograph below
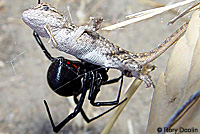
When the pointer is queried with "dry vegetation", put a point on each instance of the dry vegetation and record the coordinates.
(23, 67)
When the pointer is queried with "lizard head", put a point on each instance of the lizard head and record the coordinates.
(43, 14)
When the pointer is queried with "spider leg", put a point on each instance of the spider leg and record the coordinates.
(39, 41)
(82, 111)
(77, 109)
(92, 85)
(113, 80)
(98, 116)
(97, 89)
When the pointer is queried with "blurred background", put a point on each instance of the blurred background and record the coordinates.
(23, 66)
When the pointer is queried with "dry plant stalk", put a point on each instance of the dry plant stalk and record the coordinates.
(181, 111)
(145, 15)
(129, 94)
(180, 80)
(132, 89)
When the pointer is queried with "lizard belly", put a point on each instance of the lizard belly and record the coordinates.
(85, 53)
(96, 58)
(84, 50)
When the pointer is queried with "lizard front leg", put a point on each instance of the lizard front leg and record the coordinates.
(52, 38)
(96, 24)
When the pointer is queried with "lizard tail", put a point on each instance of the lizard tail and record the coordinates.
(147, 57)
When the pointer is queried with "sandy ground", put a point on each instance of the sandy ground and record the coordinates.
(23, 66)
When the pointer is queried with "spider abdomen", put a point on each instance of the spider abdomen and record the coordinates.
(63, 79)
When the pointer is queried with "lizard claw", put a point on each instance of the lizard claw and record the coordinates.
(96, 22)
(148, 81)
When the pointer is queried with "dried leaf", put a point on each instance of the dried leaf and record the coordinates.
(180, 80)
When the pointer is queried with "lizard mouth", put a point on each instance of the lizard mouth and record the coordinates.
(28, 17)
(35, 22)
(37, 17)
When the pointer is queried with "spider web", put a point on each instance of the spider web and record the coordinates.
(23, 65)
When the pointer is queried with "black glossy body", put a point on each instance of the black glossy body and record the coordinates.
(71, 78)
(65, 76)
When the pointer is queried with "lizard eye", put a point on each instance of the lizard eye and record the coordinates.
(45, 7)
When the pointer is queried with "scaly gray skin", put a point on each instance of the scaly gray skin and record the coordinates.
(86, 44)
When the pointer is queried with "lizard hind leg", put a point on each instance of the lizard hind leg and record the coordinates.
(144, 75)
(147, 79)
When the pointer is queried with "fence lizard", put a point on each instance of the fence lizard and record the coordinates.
(86, 44)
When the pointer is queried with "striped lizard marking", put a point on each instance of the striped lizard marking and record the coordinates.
(86, 44)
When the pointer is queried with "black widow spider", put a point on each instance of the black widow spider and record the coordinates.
(74, 78)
